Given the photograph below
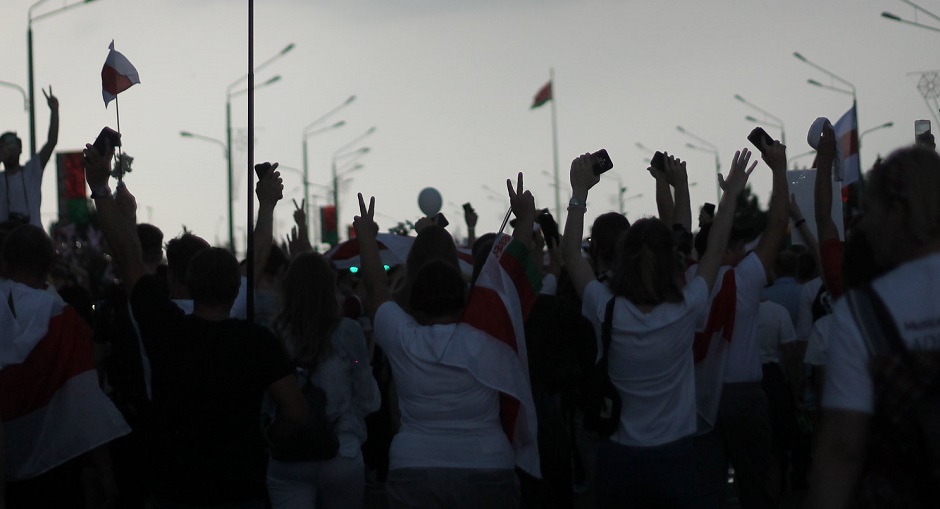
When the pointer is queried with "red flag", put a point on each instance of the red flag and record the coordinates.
(117, 75)
(543, 96)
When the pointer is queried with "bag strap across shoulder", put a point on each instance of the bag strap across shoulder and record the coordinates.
(607, 325)
(878, 328)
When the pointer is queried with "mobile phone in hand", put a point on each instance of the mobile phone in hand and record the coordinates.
(602, 161)
(439, 220)
(262, 169)
(760, 138)
(107, 134)
(658, 161)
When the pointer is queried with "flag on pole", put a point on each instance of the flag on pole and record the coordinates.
(52, 407)
(117, 75)
(543, 96)
(846, 130)
(498, 305)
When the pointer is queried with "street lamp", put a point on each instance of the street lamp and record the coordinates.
(22, 92)
(779, 122)
(309, 131)
(709, 147)
(798, 156)
(877, 127)
(29, 63)
(231, 91)
(339, 153)
(893, 17)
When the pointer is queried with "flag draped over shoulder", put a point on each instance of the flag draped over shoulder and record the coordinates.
(117, 75)
(51, 405)
(846, 131)
(710, 349)
(498, 305)
(543, 96)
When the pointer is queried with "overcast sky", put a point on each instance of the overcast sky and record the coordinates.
(448, 85)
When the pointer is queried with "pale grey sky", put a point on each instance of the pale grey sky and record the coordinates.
(448, 84)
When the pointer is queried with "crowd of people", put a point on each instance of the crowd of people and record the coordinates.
(809, 369)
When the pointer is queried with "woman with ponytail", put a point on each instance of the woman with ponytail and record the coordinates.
(649, 461)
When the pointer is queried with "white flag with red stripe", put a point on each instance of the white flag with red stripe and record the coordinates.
(117, 75)
(498, 305)
(51, 405)
(846, 131)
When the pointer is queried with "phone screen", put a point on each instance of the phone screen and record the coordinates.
(921, 127)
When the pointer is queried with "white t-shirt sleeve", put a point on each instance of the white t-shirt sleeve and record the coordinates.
(696, 297)
(785, 327)
(848, 383)
(817, 344)
(386, 327)
(594, 302)
(804, 321)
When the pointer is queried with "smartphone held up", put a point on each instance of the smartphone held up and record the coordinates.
(602, 161)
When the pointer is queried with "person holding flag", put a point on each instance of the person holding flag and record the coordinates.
(467, 415)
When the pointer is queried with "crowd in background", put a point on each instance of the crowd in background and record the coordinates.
(808, 371)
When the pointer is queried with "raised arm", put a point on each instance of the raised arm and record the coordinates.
(710, 261)
(665, 206)
(46, 151)
(270, 189)
(775, 156)
(582, 180)
(677, 177)
(373, 273)
(523, 207)
(805, 232)
(822, 191)
(118, 229)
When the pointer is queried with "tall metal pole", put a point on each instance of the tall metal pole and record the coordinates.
(249, 248)
(551, 74)
(32, 102)
(228, 145)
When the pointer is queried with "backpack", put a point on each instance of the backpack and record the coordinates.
(600, 400)
(318, 441)
(903, 464)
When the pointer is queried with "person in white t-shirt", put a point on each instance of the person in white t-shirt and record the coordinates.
(451, 450)
(859, 426)
(21, 186)
(734, 425)
(650, 461)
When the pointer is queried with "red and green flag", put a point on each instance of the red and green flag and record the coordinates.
(543, 96)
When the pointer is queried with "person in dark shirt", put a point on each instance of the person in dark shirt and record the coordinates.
(209, 371)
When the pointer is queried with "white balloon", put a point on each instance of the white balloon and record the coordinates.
(430, 201)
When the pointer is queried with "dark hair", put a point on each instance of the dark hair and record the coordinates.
(806, 268)
(910, 177)
(647, 268)
(277, 260)
(180, 251)
(786, 263)
(438, 290)
(213, 278)
(433, 243)
(28, 250)
(309, 310)
(151, 243)
(606, 233)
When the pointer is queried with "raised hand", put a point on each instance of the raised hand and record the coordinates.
(97, 166)
(739, 172)
(51, 100)
(521, 201)
(775, 155)
(364, 223)
(675, 172)
(826, 150)
(582, 174)
(270, 188)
